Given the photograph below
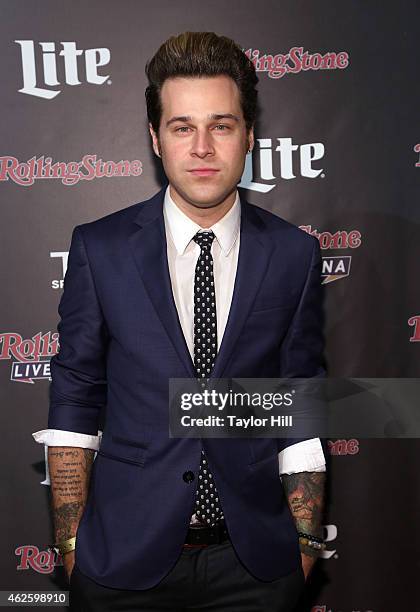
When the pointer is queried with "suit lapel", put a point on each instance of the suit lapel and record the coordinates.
(254, 255)
(148, 246)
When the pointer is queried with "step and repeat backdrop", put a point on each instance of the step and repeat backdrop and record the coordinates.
(337, 153)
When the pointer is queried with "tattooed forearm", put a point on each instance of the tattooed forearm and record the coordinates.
(305, 494)
(69, 473)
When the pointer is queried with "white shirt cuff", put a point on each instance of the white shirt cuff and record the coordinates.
(59, 437)
(306, 456)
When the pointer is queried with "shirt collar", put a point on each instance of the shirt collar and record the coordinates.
(182, 229)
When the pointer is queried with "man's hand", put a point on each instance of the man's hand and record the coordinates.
(68, 562)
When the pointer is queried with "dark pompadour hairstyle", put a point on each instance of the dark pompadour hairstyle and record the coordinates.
(200, 54)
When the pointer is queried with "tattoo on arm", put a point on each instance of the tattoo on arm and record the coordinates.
(305, 494)
(69, 473)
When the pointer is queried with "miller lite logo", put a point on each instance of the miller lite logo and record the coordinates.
(337, 266)
(63, 256)
(271, 158)
(330, 535)
(296, 60)
(43, 83)
(31, 357)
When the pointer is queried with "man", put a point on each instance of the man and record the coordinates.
(194, 282)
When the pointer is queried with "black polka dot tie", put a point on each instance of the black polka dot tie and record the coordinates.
(207, 504)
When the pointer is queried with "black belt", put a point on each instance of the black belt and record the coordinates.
(204, 536)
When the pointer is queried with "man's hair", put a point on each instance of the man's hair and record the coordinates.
(201, 54)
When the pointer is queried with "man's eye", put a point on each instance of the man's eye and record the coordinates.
(220, 127)
(183, 129)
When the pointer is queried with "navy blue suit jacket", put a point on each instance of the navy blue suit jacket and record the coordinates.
(120, 342)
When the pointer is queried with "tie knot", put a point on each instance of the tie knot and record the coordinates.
(204, 240)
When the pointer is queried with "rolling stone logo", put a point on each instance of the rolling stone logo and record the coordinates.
(296, 60)
(417, 150)
(41, 561)
(415, 323)
(27, 356)
(337, 266)
(343, 447)
(69, 173)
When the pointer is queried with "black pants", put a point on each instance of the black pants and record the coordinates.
(210, 578)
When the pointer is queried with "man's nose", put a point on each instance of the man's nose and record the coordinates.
(202, 144)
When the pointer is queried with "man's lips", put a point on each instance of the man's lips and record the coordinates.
(203, 171)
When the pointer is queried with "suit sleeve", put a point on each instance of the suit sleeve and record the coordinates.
(302, 351)
(78, 389)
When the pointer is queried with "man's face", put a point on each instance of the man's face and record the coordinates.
(202, 138)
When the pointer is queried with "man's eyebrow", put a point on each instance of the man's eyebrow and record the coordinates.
(218, 117)
(181, 118)
(213, 117)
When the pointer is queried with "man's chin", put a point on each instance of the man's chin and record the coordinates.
(206, 198)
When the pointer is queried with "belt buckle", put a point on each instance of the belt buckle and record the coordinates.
(213, 535)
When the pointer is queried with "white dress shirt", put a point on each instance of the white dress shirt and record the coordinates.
(183, 253)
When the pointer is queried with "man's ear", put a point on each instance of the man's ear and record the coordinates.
(155, 141)
(251, 140)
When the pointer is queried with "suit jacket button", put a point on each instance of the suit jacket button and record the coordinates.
(188, 476)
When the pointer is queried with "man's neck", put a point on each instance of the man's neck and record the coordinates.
(204, 217)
